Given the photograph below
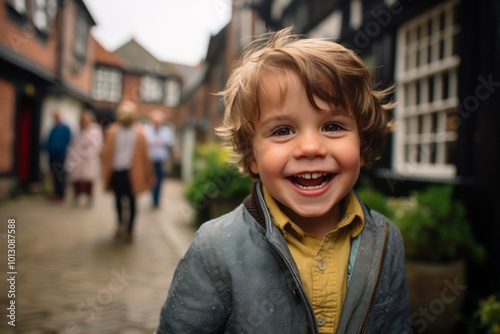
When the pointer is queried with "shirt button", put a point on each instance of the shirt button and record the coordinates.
(321, 320)
(321, 265)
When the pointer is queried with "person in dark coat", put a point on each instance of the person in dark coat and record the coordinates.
(57, 148)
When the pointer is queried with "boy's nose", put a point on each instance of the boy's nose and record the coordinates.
(310, 145)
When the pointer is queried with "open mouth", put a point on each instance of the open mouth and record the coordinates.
(310, 181)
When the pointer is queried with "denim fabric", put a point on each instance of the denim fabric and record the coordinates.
(158, 168)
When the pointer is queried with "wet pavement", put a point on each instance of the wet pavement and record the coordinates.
(70, 274)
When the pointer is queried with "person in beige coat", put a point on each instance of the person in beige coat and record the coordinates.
(127, 168)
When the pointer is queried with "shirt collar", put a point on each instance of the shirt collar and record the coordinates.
(352, 215)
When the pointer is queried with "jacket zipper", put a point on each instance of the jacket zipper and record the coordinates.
(298, 284)
(288, 262)
(370, 305)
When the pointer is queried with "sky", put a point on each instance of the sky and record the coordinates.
(176, 31)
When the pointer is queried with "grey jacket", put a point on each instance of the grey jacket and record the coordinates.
(238, 276)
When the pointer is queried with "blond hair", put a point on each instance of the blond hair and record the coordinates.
(126, 113)
(328, 71)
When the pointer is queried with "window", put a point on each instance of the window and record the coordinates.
(172, 92)
(18, 5)
(40, 14)
(356, 17)
(329, 27)
(107, 84)
(81, 36)
(43, 13)
(426, 76)
(151, 89)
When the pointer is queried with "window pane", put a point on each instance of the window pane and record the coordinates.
(451, 150)
(39, 14)
(172, 92)
(446, 88)
(452, 121)
(417, 92)
(151, 89)
(420, 122)
(81, 34)
(430, 86)
(107, 84)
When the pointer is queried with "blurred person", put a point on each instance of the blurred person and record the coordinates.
(57, 148)
(127, 168)
(161, 142)
(84, 160)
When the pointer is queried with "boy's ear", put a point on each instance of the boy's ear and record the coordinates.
(362, 157)
(253, 166)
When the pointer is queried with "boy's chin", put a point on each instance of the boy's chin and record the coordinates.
(307, 213)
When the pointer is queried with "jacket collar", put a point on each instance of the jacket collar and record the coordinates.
(253, 205)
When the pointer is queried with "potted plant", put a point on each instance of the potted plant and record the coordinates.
(217, 186)
(438, 241)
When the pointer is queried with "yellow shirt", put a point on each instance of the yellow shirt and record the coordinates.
(323, 263)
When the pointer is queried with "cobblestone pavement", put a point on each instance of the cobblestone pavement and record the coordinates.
(73, 276)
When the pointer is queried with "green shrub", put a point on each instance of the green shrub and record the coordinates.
(214, 179)
(435, 227)
(433, 224)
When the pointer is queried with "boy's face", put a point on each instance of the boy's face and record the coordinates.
(307, 159)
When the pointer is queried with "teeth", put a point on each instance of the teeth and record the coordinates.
(311, 175)
(312, 187)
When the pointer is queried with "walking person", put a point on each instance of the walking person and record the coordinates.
(161, 143)
(57, 149)
(127, 168)
(84, 158)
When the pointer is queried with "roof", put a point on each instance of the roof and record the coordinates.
(138, 59)
(103, 56)
(216, 44)
(86, 11)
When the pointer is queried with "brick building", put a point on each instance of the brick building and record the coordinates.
(46, 56)
(49, 62)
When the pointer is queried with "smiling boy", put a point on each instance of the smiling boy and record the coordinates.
(302, 254)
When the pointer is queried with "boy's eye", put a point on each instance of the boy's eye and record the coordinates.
(282, 131)
(332, 127)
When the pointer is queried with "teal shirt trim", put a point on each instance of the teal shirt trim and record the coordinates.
(352, 255)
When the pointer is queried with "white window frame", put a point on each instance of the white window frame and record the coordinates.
(151, 89)
(356, 14)
(39, 14)
(107, 84)
(18, 5)
(172, 92)
(425, 129)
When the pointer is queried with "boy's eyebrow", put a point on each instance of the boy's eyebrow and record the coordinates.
(283, 117)
(276, 118)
